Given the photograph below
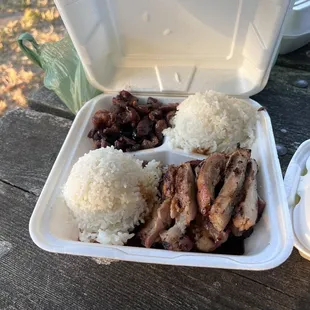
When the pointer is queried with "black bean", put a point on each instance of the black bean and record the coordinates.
(133, 148)
(155, 114)
(142, 109)
(159, 127)
(114, 129)
(127, 141)
(91, 133)
(169, 107)
(120, 145)
(169, 116)
(144, 127)
(153, 102)
(126, 95)
(97, 144)
(148, 144)
(119, 102)
(97, 136)
(102, 119)
(104, 143)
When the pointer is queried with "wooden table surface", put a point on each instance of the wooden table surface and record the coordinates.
(31, 278)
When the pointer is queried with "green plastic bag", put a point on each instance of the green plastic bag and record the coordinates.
(64, 73)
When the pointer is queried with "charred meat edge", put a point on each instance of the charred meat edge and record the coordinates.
(160, 219)
(221, 211)
(204, 240)
(183, 209)
(247, 210)
(209, 176)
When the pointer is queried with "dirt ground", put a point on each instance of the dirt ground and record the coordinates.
(18, 75)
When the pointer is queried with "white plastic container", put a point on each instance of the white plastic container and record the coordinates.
(297, 27)
(169, 49)
(297, 185)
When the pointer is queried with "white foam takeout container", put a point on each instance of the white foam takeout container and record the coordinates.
(53, 229)
(169, 49)
(297, 186)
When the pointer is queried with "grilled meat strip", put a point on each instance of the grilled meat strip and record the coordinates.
(209, 176)
(195, 163)
(221, 211)
(183, 210)
(175, 239)
(247, 211)
(160, 219)
(204, 239)
(184, 207)
(205, 242)
(168, 188)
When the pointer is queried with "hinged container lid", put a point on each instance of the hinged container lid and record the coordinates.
(297, 186)
(176, 46)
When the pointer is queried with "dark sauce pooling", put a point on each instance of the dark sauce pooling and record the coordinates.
(233, 246)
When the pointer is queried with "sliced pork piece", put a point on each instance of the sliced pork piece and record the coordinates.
(204, 238)
(169, 182)
(183, 210)
(205, 242)
(174, 207)
(247, 211)
(209, 176)
(221, 211)
(184, 202)
(175, 239)
(195, 163)
(160, 220)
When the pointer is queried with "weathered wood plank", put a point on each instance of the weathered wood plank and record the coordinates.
(30, 142)
(34, 279)
(288, 107)
(291, 278)
(47, 101)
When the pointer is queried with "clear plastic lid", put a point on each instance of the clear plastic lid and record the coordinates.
(176, 46)
(297, 185)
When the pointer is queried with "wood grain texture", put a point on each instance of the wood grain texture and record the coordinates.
(47, 101)
(289, 109)
(30, 142)
(291, 278)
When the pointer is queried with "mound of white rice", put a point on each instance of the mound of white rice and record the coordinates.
(211, 121)
(109, 193)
